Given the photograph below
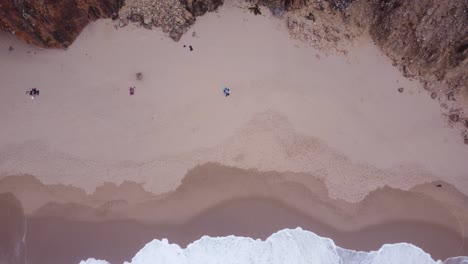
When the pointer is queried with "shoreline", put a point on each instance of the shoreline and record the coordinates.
(104, 239)
(202, 206)
(119, 240)
(209, 184)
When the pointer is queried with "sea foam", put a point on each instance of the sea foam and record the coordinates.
(286, 246)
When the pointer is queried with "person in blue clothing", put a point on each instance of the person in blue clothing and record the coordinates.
(226, 91)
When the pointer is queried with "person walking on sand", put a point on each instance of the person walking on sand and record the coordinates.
(227, 91)
(33, 93)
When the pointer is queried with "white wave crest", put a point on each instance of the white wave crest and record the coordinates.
(286, 246)
(93, 261)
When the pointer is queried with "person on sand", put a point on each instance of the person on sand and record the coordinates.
(33, 93)
(227, 91)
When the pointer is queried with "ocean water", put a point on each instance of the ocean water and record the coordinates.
(285, 246)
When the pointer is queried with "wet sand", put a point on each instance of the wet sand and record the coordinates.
(66, 241)
(216, 200)
(58, 240)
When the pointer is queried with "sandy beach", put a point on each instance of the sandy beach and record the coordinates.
(307, 138)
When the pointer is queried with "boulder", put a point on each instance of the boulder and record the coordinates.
(200, 7)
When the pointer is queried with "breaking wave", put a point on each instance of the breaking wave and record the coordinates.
(286, 246)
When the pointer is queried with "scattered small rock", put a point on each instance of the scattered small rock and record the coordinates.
(311, 16)
(466, 139)
(122, 23)
(319, 6)
(466, 122)
(406, 72)
(190, 47)
(426, 86)
(433, 95)
(400, 89)
(255, 9)
(147, 20)
(175, 35)
(451, 96)
(194, 34)
(439, 185)
(11, 48)
(185, 46)
(454, 117)
(139, 76)
(179, 20)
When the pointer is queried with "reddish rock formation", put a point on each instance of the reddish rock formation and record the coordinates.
(427, 38)
(50, 23)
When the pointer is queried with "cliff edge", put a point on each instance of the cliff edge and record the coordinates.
(50, 23)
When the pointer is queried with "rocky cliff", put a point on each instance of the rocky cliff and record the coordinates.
(172, 16)
(426, 38)
(52, 23)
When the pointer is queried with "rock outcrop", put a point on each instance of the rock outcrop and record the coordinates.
(321, 25)
(50, 23)
(425, 38)
(200, 7)
(277, 6)
(428, 38)
(172, 16)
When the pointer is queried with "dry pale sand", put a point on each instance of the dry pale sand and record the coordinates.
(292, 109)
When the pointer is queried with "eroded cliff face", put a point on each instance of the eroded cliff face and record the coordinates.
(52, 23)
(428, 38)
(425, 38)
(172, 16)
